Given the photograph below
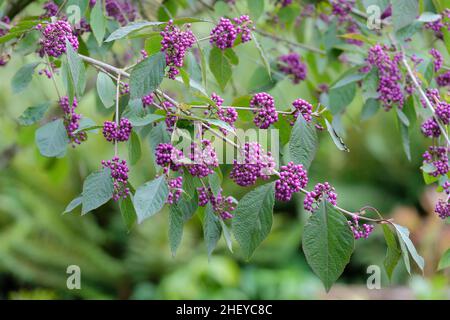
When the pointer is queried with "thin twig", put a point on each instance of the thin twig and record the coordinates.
(117, 112)
(292, 43)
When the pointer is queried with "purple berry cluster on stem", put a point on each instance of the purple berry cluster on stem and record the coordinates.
(122, 11)
(321, 191)
(167, 156)
(255, 163)
(292, 178)
(263, 106)
(389, 74)
(119, 174)
(117, 133)
(225, 33)
(303, 108)
(291, 65)
(222, 206)
(203, 159)
(360, 231)
(438, 60)
(438, 158)
(175, 190)
(175, 44)
(54, 37)
(72, 121)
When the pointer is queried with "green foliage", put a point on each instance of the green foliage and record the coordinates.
(147, 76)
(327, 243)
(106, 89)
(33, 114)
(220, 67)
(150, 198)
(97, 190)
(23, 77)
(303, 143)
(253, 218)
(51, 139)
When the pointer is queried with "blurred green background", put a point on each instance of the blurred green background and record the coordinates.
(38, 243)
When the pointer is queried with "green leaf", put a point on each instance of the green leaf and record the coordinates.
(134, 148)
(335, 137)
(52, 139)
(106, 89)
(262, 54)
(303, 143)
(370, 108)
(327, 243)
(98, 22)
(127, 210)
(408, 248)
(404, 12)
(444, 263)
(211, 229)
(214, 183)
(153, 44)
(158, 135)
(73, 204)
(23, 77)
(393, 252)
(341, 95)
(98, 188)
(369, 85)
(76, 69)
(150, 198)
(176, 223)
(147, 75)
(252, 219)
(255, 8)
(231, 56)
(33, 114)
(220, 124)
(188, 207)
(227, 235)
(429, 17)
(220, 67)
(134, 26)
(404, 133)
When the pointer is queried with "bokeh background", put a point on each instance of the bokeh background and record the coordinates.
(38, 242)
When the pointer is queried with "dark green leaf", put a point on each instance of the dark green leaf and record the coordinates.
(393, 252)
(134, 148)
(98, 22)
(98, 188)
(150, 198)
(227, 235)
(336, 138)
(127, 211)
(176, 223)
(106, 89)
(408, 247)
(73, 204)
(341, 96)
(33, 114)
(252, 219)
(211, 229)
(256, 8)
(262, 55)
(52, 139)
(134, 26)
(147, 75)
(303, 143)
(220, 67)
(327, 243)
(370, 108)
(77, 70)
(23, 77)
(404, 12)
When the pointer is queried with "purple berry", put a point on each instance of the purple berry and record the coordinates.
(119, 174)
(263, 106)
(292, 178)
(320, 191)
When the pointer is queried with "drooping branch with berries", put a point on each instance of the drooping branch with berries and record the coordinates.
(189, 130)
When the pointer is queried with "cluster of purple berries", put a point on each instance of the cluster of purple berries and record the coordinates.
(439, 25)
(292, 178)
(147, 100)
(223, 206)
(6, 20)
(443, 80)
(167, 156)
(171, 118)
(284, 3)
(430, 128)
(117, 133)
(119, 174)
(51, 9)
(342, 9)
(225, 33)
(175, 44)
(54, 37)
(228, 115)
(175, 189)
(442, 209)
(291, 65)
(122, 11)
(263, 106)
(320, 191)
(304, 108)
(438, 157)
(360, 232)
(203, 159)
(389, 74)
(255, 163)
(438, 59)
(72, 120)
